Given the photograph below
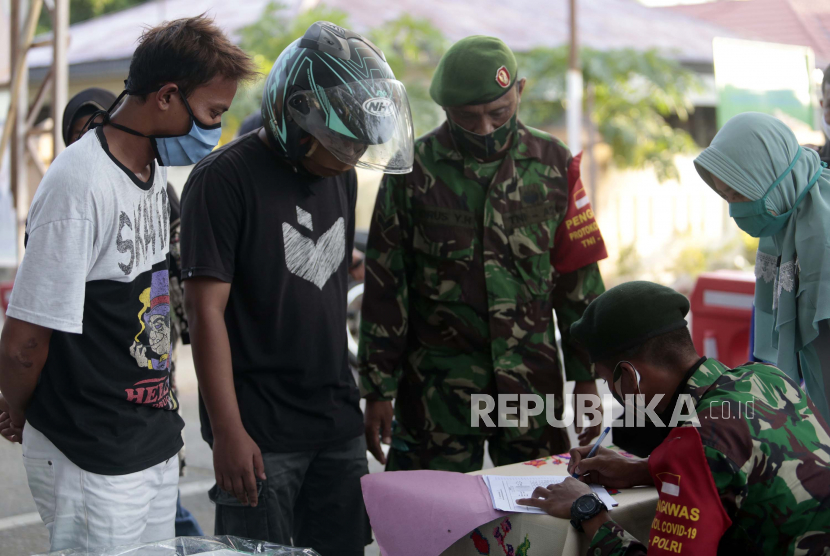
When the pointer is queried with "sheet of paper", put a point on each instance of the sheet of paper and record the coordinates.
(505, 490)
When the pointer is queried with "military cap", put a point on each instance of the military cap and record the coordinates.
(475, 70)
(626, 316)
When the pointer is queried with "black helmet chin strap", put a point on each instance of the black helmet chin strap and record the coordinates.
(295, 163)
(272, 141)
(302, 149)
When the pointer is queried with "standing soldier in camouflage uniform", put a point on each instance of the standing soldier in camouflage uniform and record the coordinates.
(468, 257)
(752, 476)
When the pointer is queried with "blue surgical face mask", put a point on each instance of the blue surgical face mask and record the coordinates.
(184, 150)
(753, 216)
(178, 150)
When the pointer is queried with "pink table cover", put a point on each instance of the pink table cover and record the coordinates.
(422, 513)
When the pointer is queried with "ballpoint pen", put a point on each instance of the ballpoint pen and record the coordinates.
(593, 451)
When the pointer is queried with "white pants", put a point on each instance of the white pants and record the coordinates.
(90, 511)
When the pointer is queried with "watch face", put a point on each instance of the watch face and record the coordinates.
(586, 504)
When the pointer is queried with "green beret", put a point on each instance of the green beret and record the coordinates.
(626, 316)
(475, 70)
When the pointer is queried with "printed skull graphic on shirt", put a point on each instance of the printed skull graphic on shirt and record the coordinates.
(315, 262)
(155, 320)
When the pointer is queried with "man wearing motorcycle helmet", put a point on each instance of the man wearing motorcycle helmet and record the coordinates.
(267, 233)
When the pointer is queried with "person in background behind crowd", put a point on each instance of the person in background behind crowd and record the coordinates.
(85, 350)
(468, 257)
(267, 233)
(779, 192)
(79, 109)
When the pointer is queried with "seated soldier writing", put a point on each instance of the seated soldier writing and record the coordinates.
(748, 473)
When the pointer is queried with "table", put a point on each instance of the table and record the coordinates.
(542, 535)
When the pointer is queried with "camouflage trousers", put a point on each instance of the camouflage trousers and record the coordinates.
(439, 451)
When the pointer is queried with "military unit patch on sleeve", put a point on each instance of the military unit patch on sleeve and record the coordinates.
(578, 239)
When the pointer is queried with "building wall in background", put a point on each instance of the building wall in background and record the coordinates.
(653, 222)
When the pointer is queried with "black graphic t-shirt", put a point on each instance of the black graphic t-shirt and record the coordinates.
(95, 271)
(284, 243)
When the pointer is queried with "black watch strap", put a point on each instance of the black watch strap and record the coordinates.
(585, 507)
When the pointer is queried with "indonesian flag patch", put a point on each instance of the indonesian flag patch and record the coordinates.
(671, 483)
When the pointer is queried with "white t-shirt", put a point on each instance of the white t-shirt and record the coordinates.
(95, 271)
(91, 219)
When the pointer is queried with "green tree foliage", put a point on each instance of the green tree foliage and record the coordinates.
(81, 10)
(275, 30)
(633, 91)
(265, 40)
(633, 94)
(412, 48)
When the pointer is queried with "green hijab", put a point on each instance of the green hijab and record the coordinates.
(792, 269)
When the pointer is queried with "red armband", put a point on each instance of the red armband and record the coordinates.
(578, 241)
(690, 518)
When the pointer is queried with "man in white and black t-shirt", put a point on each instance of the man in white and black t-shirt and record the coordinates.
(85, 352)
(267, 230)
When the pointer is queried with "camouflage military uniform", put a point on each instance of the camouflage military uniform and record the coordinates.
(465, 264)
(770, 465)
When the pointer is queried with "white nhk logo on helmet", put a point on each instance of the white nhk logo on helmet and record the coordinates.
(378, 106)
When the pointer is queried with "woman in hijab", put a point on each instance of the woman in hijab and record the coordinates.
(779, 192)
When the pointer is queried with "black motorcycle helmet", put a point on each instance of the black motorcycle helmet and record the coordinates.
(336, 86)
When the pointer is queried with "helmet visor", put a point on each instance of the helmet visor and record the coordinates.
(365, 124)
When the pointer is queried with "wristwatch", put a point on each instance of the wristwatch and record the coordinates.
(585, 507)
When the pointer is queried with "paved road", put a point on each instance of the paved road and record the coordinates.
(22, 533)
